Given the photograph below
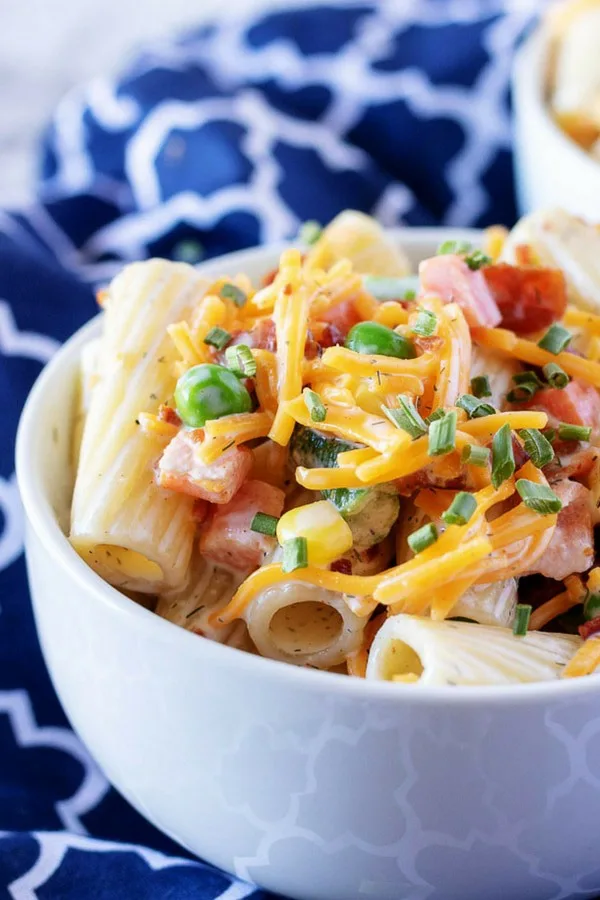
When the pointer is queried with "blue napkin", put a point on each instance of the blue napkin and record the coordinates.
(230, 136)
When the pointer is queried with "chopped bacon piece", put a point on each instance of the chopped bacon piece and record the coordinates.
(576, 464)
(590, 628)
(269, 278)
(529, 299)
(168, 414)
(577, 404)
(520, 454)
(341, 317)
(228, 539)
(261, 337)
(572, 546)
(180, 470)
(450, 278)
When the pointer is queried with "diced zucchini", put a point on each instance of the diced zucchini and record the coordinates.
(315, 450)
(348, 501)
(375, 519)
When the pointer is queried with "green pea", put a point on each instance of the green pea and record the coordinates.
(379, 340)
(591, 607)
(210, 392)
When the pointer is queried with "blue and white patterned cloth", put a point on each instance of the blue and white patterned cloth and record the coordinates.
(227, 137)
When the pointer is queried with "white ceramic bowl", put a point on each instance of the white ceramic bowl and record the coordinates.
(316, 786)
(550, 168)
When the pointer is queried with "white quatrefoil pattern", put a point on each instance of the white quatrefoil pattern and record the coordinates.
(226, 137)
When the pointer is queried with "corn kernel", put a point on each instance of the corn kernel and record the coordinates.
(327, 535)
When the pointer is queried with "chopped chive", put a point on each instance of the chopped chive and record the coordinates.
(538, 497)
(503, 457)
(556, 339)
(460, 510)
(455, 247)
(473, 455)
(521, 393)
(474, 407)
(217, 337)
(480, 386)
(591, 606)
(537, 446)
(383, 287)
(442, 435)
(477, 259)
(425, 323)
(310, 232)
(240, 360)
(549, 434)
(436, 414)
(315, 406)
(234, 293)
(406, 417)
(555, 376)
(567, 432)
(409, 296)
(529, 377)
(423, 538)
(295, 554)
(522, 615)
(264, 524)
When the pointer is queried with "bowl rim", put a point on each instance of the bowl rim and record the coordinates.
(43, 520)
(527, 81)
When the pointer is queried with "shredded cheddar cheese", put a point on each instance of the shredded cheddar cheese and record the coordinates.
(527, 351)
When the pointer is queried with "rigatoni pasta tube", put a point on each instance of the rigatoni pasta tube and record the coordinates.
(304, 625)
(208, 590)
(419, 650)
(133, 533)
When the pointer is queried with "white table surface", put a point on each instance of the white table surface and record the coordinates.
(46, 46)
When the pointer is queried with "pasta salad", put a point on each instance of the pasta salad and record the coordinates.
(353, 467)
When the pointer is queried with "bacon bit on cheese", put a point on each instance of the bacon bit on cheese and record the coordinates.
(228, 539)
(450, 278)
(179, 469)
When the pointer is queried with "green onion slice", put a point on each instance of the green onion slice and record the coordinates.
(406, 416)
(476, 259)
(262, 523)
(591, 606)
(556, 339)
(234, 293)
(538, 497)
(529, 377)
(442, 435)
(310, 232)
(217, 337)
(315, 406)
(503, 457)
(537, 446)
(423, 538)
(454, 247)
(555, 376)
(480, 386)
(240, 360)
(474, 407)
(383, 287)
(460, 510)
(521, 393)
(425, 324)
(436, 414)
(522, 616)
(474, 455)
(567, 432)
(295, 554)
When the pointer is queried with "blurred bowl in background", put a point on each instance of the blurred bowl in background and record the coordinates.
(550, 168)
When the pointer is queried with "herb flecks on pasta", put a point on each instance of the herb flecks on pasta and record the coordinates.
(349, 465)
